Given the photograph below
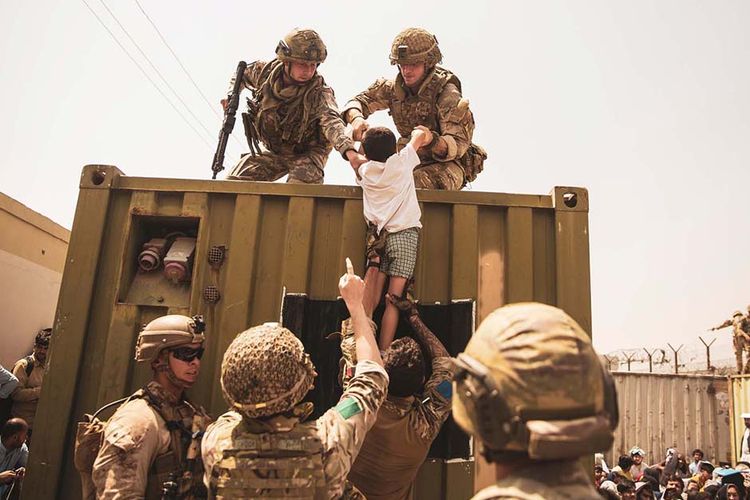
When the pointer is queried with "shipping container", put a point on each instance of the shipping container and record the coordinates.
(739, 400)
(258, 246)
(683, 411)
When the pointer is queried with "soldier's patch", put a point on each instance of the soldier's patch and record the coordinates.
(445, 389)
(348, 407)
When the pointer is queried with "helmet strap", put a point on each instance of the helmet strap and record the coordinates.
(161, 365)
(287, 76)
(176, 381)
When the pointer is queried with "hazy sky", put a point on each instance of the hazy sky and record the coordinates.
(644, 103)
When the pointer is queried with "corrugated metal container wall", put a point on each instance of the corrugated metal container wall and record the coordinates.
(658, 411)
(739, 391)
(491, 247)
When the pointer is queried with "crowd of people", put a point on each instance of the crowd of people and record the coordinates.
(673, 478)
(19, 397)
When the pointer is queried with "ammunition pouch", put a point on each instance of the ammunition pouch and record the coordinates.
(251, 130)
(473, 162)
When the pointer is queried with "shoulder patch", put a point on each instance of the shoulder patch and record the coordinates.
(348, 407)
(445, 389)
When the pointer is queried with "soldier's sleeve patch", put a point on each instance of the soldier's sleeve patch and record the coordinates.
(348, 407)
(445, 389)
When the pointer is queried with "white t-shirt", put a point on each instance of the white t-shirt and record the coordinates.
(389, 195)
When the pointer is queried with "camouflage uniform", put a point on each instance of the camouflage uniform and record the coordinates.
(263, 447)
(297, 124)
(437, 105)
(403, 432)
(139, 452)
(518, 392)
(406, 426)
(154, 437)
(740, 339)
(554, 480)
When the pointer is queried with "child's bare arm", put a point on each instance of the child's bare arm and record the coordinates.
(420, 137)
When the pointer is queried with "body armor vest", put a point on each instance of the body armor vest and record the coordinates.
(410, 110)
(285, 123)
(273, 464)
(178, 464)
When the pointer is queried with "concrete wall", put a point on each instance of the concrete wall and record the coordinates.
(32, 256)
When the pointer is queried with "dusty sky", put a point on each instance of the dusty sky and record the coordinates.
(644, 103)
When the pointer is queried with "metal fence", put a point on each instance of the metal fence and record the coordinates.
(658, 411)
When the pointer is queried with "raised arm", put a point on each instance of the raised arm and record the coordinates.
(352, 290)
(422, 333)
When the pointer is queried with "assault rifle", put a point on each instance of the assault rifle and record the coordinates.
(229, 116)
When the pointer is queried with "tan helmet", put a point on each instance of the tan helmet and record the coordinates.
(266, 371)
(737, 313)
(529, 383)
(416, 45)
(303, 46)
(168, 331)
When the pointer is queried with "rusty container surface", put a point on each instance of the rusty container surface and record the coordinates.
(254, 244)
(660, 411)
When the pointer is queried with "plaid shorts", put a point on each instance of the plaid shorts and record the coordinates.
(400, 253)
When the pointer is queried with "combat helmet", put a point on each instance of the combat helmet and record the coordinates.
(530, 384)
(416, 45)
(166, 332)
(265, 371)
(739, 313)
(303, 46)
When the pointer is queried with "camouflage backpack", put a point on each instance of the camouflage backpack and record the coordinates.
(89, 436)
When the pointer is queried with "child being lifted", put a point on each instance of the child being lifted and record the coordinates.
(391, 209)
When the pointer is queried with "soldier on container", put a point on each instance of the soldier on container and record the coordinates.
(424, 93)
(533, 393)
(154, 437)
(263, 447)
(293, 113)
(740, 340)
(407, 425)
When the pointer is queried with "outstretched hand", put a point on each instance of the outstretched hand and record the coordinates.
(359, 127)
(420, 137)
(351, 287)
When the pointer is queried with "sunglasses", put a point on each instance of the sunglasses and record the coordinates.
(187, 354)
